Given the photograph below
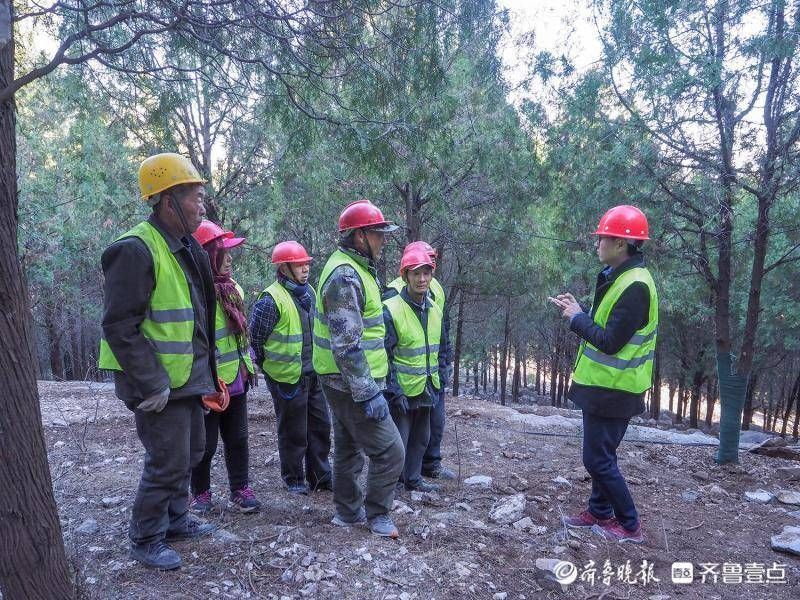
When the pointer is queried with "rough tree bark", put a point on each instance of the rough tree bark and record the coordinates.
(33, 563)
(459, 337)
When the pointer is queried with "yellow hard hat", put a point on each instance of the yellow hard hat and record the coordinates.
(162, 171)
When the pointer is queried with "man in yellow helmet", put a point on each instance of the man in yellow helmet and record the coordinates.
(158, 339)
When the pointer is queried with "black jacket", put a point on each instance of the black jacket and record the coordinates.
(630, 313)
(129, 283)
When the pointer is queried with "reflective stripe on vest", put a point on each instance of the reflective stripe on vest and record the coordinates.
(169, 322)
(436, 290)
(284, 347)
(416, 355)
(372, 321)
(229, 354)
(630, 369)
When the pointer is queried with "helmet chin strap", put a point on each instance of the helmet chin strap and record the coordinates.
(176, 205)
(292, 276)
(370, 254)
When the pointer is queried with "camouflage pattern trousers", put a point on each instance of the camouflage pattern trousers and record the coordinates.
(354, 436)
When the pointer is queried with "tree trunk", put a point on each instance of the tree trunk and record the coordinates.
(679, 408)
(33, 563)
(525, 370)
(553, 378)
(457, 351)
(694, 408)
(516, 377)
(495, 360)
(711, 399)
(54, 348)
(747, 414)
(789, 403)
(538, 376)
(672, 396)
(505, 355)
(485, 374)
(655, 395)
(561, 385)
(475, 376)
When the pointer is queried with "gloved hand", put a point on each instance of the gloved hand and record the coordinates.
(376, 408)
(401, 404)
(156, 402)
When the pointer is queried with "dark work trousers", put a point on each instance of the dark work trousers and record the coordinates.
(610, 495)
(414, 426)
(433, 454)
(232, 425)
(354, 435)
(304, 432)
(173, 441)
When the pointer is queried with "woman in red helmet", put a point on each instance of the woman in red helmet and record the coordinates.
(281, 326)
(614, 367)
(235, 369)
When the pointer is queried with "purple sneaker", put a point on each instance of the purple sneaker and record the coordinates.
(202, 503)
(244, 501)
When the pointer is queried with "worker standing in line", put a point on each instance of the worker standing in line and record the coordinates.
(235, 369)
(416, 368)
(432, 461)
(158, 332)
(281, 326)
(350, 358)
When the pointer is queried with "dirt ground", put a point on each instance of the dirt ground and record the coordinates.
(692, 511)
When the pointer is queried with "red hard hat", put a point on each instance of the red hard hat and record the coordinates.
(210, 231)
(425, 246)
(413, 258)
(290, 252)
(363, 213)
(624, 221)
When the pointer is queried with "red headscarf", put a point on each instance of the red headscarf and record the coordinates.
(227, 294)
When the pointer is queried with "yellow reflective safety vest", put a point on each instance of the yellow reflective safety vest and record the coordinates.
(436, 289)
(229, 354)
(373, 332)
(283, 347)
(169, 322)
(416, 355)
(630, 369)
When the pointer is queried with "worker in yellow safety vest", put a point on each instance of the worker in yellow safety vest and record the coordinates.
(351, 361)
(281, 328)
(158, 339)
(432, 461)
(414, 331)
(614, 367)
(236, 370)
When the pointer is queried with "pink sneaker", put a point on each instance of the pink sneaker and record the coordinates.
(202, 503)
(584, 519)
(617, 533)
(244, 501)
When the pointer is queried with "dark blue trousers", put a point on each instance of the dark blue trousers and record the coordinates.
(433, 455)
(610, 495)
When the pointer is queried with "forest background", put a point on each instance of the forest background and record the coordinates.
(293, 109)
(691, 113)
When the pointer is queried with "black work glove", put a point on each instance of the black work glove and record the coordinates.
(376, 408)
(401, 404)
